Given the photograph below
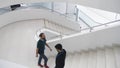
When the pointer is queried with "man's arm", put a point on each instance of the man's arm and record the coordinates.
(48, 47)
(37, 52)
(37, 49)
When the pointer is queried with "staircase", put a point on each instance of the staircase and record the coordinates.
(106, 57)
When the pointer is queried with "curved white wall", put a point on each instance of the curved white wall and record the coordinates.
(28, 14)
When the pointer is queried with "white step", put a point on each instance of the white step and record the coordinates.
(76, 60)
(68, 62)
(51, 62)
(84, 60)
(100, 58)
(117, 55)
(110, 57)
(92, 58)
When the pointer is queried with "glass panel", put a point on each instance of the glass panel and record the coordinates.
(41, 5)
(46, 5)
(60, 7)
(86, 19)
(99, 16)
(70, 8)
(82, 25)
(4, 10)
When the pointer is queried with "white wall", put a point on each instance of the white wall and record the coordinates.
(91, 40)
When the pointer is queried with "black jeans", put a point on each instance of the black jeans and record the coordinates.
(42, 55)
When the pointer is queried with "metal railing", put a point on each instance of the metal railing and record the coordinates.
(77, 15)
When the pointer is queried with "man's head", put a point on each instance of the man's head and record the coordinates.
(58, 47)
(42, 35)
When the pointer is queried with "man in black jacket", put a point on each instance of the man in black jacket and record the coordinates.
(60, 58)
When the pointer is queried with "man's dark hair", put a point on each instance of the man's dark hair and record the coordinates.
(41, 34)
(58, 46)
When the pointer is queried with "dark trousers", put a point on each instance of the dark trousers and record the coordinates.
(42, 55)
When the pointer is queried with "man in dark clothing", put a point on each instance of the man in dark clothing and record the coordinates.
(40, 50)
(60, 58)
